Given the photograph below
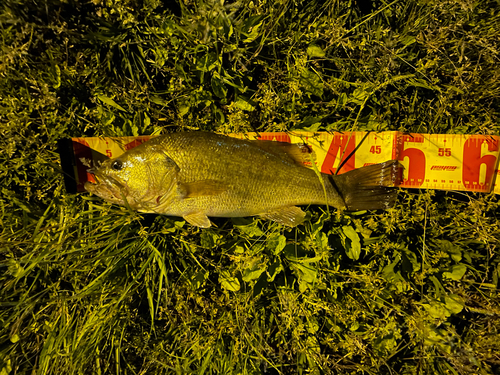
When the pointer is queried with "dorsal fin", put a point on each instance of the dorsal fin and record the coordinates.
(293, 153)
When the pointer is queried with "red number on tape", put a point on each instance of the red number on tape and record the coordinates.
(444, 152)
(416, 161)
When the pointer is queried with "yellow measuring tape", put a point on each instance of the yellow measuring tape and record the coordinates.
(431, 161)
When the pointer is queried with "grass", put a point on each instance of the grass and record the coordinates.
(88, 287)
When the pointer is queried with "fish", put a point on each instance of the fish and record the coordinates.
(197, 175)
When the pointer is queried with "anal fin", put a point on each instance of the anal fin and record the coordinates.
(290, 216)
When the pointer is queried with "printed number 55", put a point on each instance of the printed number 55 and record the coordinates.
(444, 152)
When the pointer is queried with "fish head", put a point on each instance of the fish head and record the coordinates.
(138, 178)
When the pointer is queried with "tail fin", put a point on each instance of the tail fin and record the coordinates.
(368, 188)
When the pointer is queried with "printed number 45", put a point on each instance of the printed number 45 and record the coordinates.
(444, 152)
(375, 149)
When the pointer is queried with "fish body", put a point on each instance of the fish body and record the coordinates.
(197, 175)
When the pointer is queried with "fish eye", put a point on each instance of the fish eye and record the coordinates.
(117, 165)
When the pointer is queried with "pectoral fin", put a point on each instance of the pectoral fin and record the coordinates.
(202, 188)
(198, 219)
(290, 216)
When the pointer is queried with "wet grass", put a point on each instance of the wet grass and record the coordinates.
(88, 287)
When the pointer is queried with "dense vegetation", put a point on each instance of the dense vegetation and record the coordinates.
(88, 287)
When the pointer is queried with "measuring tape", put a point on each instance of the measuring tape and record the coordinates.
(431, 161)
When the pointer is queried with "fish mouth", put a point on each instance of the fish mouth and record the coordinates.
(104, 186)
(96, 178)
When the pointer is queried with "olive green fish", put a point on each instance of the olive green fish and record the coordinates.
(197, 175)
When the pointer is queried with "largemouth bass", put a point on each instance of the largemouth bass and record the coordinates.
(197, 175)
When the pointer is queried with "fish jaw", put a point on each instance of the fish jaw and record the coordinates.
(105, 187)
